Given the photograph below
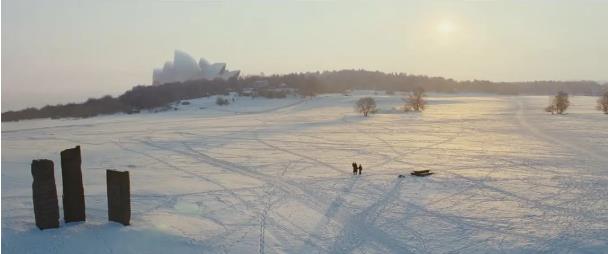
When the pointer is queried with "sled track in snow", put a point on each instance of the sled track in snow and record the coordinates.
(552, 139)
(266, 183)
(357, 229)
(303, 195)
(270, 110)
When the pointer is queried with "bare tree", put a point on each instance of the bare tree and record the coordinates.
(365, 105)
(559, 104)
(550, 109)
(602, 103)
(416, 100)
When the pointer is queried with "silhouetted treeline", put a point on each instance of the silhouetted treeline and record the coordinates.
(92, 107)
(134, 100)
(146, 97)
(339, 81)
(307, 84)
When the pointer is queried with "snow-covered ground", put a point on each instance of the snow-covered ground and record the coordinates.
(274, 176)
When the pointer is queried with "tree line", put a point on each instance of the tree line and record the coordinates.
(307, 84)
(132, 101)
(338, 81)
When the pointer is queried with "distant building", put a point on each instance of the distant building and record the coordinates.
(248, 92)
(283, 88)
(263, 88)
(259, 84)
(184, 68)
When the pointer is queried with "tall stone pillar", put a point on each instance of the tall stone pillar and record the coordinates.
(73, 191)
(119, 196)
(46, 208)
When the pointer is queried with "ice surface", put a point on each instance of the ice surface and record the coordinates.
(274, 176)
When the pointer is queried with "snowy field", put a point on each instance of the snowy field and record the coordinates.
(274, 176)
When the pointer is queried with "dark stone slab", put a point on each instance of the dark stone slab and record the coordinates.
(46, 207)
(119, 196)
(73, 191)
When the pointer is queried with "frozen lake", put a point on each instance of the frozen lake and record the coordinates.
(274, 176)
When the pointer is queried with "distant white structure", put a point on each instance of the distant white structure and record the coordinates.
(184, 68)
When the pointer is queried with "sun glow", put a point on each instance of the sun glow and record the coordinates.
(446, 27)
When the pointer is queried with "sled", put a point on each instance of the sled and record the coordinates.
(421, 173)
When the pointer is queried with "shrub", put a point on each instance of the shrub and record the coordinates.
(559, 104)
(416, 100)
(602, 103)
(221, 101)
(365, 105)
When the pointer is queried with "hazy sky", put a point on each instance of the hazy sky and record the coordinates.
(60, 51)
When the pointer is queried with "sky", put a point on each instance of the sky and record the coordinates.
(67, 51)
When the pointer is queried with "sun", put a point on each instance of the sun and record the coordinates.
(446, 27)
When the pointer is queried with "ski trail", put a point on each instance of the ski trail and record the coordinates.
(263, 215)
(270, 110)
(301, 156)
(305, 196)
(552, 139)
(399, 154)
(360, 227)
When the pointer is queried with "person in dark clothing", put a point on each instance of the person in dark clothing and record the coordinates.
(360, 169)
(354, 168)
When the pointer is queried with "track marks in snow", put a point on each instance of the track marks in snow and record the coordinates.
(260, 193)
(523, 121)
(360, 227)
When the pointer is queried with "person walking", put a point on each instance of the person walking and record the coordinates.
(354, 168)
(360, 169)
